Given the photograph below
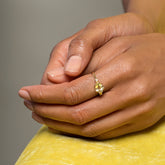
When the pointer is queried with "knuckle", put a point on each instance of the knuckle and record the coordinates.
(71, 95)
(39, 95)
(77, 43)
(148, 110)
(142, 89)
(129, 65)
(59, 46)
(90, 131)
(95, 23)
(79, 117)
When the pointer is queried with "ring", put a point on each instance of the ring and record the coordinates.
(99, 88)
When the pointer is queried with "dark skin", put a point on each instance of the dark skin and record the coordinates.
(131, 68)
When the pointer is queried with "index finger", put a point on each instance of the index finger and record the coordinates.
(64, 93)
(80, 89)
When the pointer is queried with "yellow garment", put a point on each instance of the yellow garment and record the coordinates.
(143, 148)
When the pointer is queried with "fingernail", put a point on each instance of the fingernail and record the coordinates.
(74, 64)
(37, 118)
(24, 94)
(51, 74)
(56, 72)
(28, 104)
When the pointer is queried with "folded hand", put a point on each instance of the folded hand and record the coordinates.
(71, 56)
(133, 99)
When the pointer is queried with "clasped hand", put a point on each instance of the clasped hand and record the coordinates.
(132, 70)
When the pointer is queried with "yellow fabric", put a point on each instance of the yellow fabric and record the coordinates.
(143, 148)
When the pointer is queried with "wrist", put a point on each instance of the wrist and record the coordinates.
(143, 22)
(148, 22)
(152, 11)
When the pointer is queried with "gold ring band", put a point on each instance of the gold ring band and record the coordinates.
(99, 88)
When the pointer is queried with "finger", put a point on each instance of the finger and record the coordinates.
(55, 67)
(54, 72)
(132, 127)
(54, 131)
(101, 125)
(96, 34)
(82, 47)
(56, 125)
(100, 57)
(123, 130)
(81, 89)
(65, 93)
(62, 133)
(107, 52)
(91, 109)
(140, 118)
(95, 128)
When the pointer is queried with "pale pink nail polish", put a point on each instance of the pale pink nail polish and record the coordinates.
(74, 64)
(37, 118)
(56, 73)
(51, 74)
(28, 104)
(24, 94)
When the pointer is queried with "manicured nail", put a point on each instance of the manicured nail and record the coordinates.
(24, 94)
(51, 74)
(37, 118)
(28, 104)
(57, 72)
(74, 64)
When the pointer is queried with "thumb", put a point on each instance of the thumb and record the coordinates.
(54, 72)
(96, 34)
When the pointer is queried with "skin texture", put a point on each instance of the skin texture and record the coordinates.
(153, 11)
(131, 68)
(134, 96)
(85, 42)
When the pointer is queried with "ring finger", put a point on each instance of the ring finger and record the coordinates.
(96, 127)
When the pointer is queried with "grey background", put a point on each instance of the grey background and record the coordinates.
(28, 31)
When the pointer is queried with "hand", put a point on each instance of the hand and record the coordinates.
(82, 45)
(134, 96)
